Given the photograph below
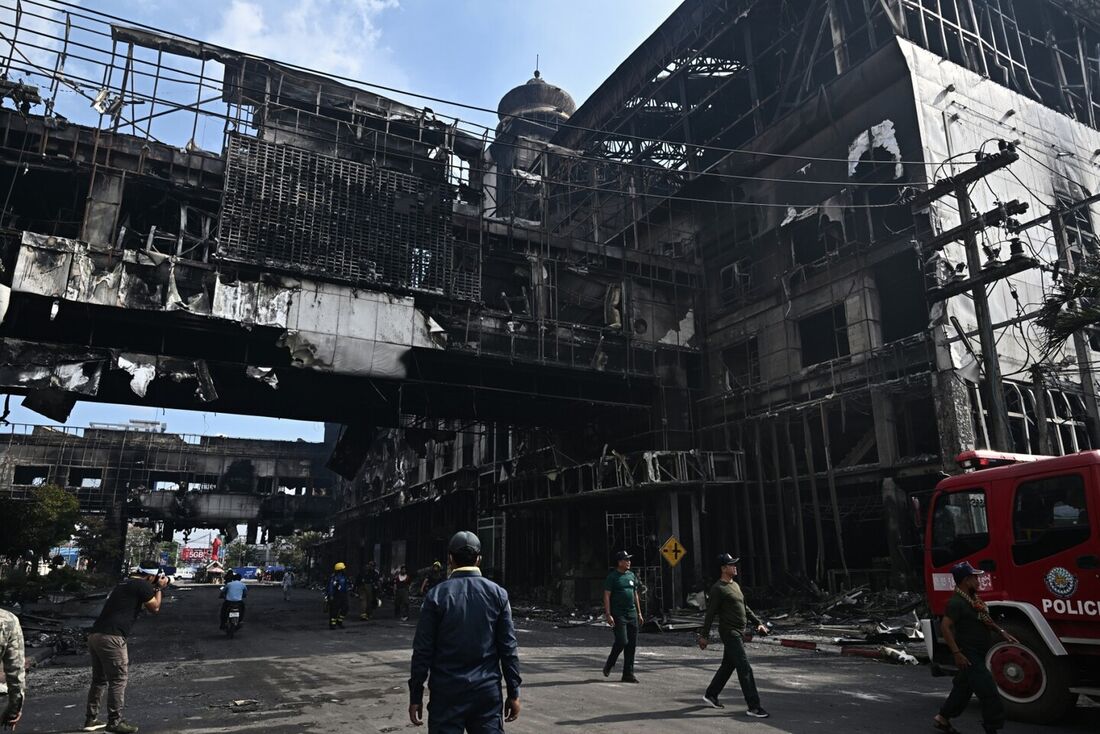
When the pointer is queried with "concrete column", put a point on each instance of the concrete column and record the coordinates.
(893, 498)
(894, 503)
(953, 419)
(102, 207)
(696, 537)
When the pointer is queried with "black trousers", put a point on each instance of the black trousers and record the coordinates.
(734, 658)
(626, 641)
(476, 714)
(225, 611)
(978, 681)
(337, 608)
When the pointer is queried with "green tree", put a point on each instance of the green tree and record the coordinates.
(37, 524)
(240, 553)
(139, 545)
(100, 544)
(290, 550)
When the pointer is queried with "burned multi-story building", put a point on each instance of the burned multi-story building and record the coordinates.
(754, 293)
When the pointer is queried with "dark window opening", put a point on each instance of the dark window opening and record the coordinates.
(919, 435)
(736, 280)
(468, 441)
(265, 485)
(31, 476)
(824, 336)
(742, 363)
(959, 526)
(86, 478)
(902, 306)
(1050, 515)
(814, 238)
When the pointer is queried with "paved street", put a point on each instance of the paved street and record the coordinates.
(185, 676)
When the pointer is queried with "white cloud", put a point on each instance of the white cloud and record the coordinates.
(342, 37)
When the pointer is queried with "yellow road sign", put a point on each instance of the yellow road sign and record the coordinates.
(673, 552)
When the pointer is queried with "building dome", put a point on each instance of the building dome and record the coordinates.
(537, 100)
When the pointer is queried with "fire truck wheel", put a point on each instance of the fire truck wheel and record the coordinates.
(1033, 683)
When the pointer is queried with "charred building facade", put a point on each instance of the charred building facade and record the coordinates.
(140, 473)
(754, 293)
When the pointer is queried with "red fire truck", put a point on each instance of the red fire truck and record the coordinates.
(1033, 523)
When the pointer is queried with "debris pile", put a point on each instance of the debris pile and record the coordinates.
(44, 633)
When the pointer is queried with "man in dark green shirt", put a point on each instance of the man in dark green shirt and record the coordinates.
(622, 610)
(967, 629)
(727, 603)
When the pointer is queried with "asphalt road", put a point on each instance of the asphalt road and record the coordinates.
(297, 676)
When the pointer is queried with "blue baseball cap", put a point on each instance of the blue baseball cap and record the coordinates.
(964, 570)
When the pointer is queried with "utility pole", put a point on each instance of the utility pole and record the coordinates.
(967, 231)
(1080, 345)
(997, 408)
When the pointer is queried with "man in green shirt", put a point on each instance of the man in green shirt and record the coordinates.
(622, 610)
(966, 629)
(727, 603)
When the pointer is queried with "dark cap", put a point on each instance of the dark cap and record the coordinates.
(727, 560)
(622, 556)
(964, 570)
(464, 541)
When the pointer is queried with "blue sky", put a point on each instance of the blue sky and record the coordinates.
(470, 51)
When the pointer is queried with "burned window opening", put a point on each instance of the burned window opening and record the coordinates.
(742, 364)
(85, 478)
(814, 238)
(824, 336)
(736, 281)
(902, 310)
(31, 476)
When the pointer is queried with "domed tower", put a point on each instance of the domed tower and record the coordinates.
(532, 111)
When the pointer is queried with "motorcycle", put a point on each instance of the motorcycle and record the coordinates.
(234, 618)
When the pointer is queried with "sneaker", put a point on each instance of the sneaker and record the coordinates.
(404, 619)
(606, 671)
(93, 723)
(758, 713)
(629, 679)
(121, 727)
(712, 701)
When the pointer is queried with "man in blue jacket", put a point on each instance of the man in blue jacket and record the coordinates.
(464, 640)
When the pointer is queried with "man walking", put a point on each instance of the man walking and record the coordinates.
(432, 577)
(367, 587)
(288, 584)
(727, 604)
(107, 644)
(464, 640)
(15, 675)
(337, 595)
(401, 583)
(622, 611)
(966, 629)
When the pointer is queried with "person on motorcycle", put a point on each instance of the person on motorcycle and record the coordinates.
(233, 592)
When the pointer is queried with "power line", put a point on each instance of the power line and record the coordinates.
(202, 83)
(461, 105)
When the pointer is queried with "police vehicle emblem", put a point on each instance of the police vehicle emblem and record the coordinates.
(1061, 582)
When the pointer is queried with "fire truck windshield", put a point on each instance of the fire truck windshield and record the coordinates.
(959, 526)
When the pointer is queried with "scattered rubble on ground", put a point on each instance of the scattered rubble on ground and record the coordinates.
(886, 620)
